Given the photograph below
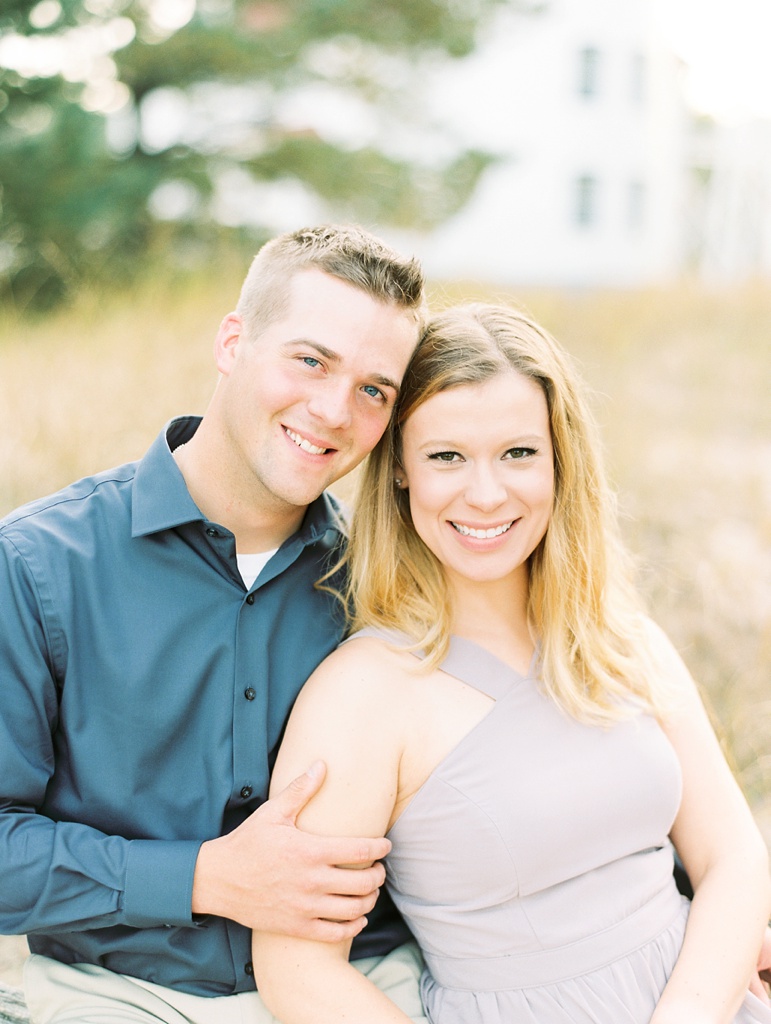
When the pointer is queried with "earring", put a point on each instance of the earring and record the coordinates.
(398, 481)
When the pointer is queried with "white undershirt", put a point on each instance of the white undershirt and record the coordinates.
(250, 566)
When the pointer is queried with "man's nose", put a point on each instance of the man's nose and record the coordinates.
(331, 404)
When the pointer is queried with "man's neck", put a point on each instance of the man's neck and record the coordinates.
(258, 521)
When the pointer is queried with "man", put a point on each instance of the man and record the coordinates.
(158, 621)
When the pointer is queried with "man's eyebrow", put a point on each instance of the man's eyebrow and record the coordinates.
(386, 382)
(334, 357)
(328, 353)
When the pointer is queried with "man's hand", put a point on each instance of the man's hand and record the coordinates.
(271, 876)
(763, 970)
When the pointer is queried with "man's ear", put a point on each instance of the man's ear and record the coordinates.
(226, 343)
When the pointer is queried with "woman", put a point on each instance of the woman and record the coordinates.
(506, 714)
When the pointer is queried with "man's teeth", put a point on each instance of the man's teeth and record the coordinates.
(494, 531)
(304, 443)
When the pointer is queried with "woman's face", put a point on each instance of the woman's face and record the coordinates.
(479, 464)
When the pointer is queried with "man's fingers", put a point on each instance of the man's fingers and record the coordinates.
(291, 800)
(347, 882)
(335, 931)
(346, 909)
(352, 852)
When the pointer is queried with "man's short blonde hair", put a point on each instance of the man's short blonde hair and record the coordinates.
(346, 252)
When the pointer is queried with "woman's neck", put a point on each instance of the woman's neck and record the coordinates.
(494, 615)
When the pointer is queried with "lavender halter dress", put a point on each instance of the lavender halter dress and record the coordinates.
(533, 865)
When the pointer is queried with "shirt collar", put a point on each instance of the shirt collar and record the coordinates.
(160, 498)
(325, 514)
(162, 501)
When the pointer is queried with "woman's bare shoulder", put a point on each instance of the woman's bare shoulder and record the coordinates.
(684, 700)
(363, 666)
(665, 655)
(352, 715)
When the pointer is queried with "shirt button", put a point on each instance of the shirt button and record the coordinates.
(211, 532)
(246, 792)
(250, 598)
(249, 968)
(250, 693)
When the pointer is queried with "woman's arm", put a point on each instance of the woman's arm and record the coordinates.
(348, 715)
(304, 982)
(726, 860)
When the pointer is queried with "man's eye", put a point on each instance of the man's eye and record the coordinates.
(372, 391)
(310, 361)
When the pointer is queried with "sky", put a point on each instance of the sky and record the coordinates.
(725, 44)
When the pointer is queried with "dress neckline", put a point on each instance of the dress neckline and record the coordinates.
(479, 667)
(466, 660)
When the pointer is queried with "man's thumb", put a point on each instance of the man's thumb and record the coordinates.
(291, 800)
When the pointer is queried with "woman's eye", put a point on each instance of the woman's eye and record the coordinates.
(520, 453)
(445, 456)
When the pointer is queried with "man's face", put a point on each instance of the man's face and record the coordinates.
(307, 399)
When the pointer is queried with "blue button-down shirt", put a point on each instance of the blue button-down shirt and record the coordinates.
(143, 693)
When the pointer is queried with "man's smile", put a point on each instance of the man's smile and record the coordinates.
(305, 444)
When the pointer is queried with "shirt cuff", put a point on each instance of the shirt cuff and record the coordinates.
(159, 882)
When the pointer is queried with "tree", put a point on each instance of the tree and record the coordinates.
(128, 124)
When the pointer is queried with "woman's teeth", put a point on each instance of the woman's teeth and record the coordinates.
(493, 531)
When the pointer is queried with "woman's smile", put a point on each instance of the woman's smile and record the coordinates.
(477, 460)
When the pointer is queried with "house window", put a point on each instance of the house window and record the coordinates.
(585, 200)
(588, 71)
(638, 76)
(636, 204)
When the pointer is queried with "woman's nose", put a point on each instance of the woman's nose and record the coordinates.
(486, 490)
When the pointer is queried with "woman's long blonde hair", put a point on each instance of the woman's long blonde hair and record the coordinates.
(582, 608)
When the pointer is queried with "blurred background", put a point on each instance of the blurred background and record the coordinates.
(606, 165)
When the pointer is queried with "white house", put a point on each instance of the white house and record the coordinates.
(731, 199)
(583, 102)
(604, 178)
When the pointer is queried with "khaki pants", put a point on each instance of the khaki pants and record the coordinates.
(58, 993)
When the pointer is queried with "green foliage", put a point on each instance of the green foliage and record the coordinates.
(69, 207)
(76, 205)
(370, 185)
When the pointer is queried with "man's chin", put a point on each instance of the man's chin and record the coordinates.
(303, 489)
(301, 497)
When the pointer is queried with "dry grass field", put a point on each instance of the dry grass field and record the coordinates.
(682, 381)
